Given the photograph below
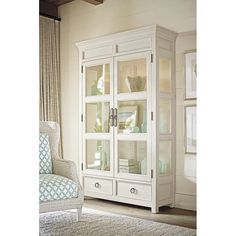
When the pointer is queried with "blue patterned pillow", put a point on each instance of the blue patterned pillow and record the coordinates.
(45, 159)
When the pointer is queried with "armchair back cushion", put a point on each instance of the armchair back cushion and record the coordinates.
(45, 159)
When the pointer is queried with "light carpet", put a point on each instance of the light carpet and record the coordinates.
(99, 223)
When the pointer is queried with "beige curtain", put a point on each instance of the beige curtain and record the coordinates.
(49, 70)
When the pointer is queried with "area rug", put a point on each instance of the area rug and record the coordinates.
(99, 223)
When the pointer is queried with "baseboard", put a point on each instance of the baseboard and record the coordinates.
(185, 201)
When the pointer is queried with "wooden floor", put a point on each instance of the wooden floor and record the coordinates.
(167, 215)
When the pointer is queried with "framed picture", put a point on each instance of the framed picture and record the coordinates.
(190, 129)
(127, 117)
(190, 75)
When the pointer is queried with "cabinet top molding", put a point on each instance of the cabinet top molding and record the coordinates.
(146, 31)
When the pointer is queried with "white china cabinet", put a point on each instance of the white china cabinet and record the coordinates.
(127, 110)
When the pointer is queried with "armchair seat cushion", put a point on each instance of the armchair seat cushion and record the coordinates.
(55, 187)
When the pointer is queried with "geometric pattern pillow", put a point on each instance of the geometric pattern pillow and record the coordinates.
(45, 159)
(56, 187)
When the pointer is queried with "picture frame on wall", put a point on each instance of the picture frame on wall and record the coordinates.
(190, 75)
(191, 129)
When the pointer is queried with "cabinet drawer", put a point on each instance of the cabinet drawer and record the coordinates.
(134, 190)
(103, 186)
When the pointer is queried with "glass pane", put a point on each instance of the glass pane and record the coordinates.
(132, 117)
(98, 155)
(132, 76)
(164, 157)
(97, 117)
(132, 157)
(165, 116)
(98, 80)
(165, 75)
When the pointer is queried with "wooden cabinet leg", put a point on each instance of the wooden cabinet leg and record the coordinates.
(155, 210)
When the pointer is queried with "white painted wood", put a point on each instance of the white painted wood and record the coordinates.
(166, 202)
(151, 43)
(134, 191)
(99, 98)
(96, 185)
(132, 137)
(135, 96)
(165, 191)
(164, 44)
(120, 199)
(96, 52)
(100, 136)
(140, 44)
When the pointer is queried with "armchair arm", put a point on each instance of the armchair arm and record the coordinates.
(67, 169)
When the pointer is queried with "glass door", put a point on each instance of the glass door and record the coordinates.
(97, 104)
(166, 106)
(132, 110)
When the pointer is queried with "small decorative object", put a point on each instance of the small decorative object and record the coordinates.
(190, 129)
(94, 89)
(190, 75)
(144, 128)
(104, 161)
(135, 129)
(127, 116)
(136, 84)
(129, 166)
(144, 124)
(98, 158)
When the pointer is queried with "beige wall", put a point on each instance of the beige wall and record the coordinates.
(185, 164)
(81, 21)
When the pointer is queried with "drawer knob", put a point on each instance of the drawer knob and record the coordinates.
(133, 190)
(96, 185)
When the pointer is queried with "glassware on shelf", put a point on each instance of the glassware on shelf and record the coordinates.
(97, 155)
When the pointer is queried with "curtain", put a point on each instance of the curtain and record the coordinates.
(49, 31)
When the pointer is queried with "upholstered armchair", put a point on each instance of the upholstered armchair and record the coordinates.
(59, 186)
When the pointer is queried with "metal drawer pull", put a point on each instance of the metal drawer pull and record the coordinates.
(133, 190)
(96, 185)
